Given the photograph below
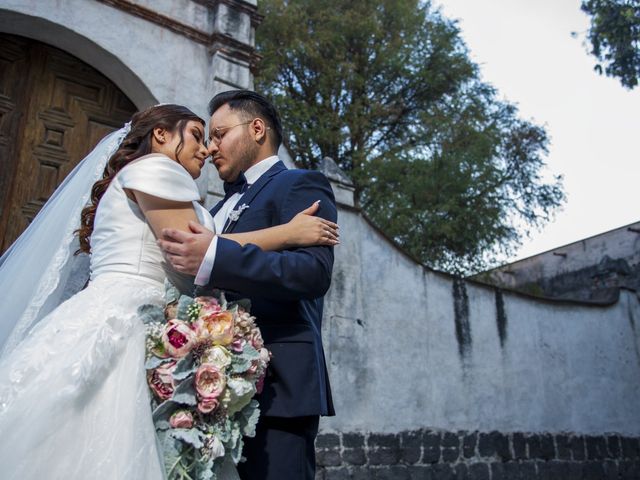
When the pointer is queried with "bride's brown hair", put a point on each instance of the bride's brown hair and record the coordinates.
(136, 144)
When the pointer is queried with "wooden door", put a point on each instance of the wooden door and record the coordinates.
(53, 110)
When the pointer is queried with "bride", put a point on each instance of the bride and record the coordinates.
(74, 401)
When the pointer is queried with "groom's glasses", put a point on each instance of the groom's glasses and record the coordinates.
(219, 132)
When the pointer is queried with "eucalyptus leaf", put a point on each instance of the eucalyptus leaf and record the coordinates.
(183, 304)
(189, 435)
(162, 425)
(241, 363)
(155, 362)
(205, 471)
(165, 410)
(172, 453)
(236, 451)
(171, 294)
(151, 314)
(185, 367)
(185, 394)
(248, 418)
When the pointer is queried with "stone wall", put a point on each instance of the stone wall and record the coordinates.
(443, 455)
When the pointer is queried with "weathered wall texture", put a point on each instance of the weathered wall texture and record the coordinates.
(168, 51)
(154, 51)
(592, 269)
(411, 348)
(437, 378)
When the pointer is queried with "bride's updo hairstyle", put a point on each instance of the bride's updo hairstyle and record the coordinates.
(136, 144)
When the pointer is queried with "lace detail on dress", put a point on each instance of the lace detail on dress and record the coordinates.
(73, 394)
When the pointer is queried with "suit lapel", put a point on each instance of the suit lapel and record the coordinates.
(252, 192)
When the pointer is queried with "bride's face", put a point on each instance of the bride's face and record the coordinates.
(193, 151)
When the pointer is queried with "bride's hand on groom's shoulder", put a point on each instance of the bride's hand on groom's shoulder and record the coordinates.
(305, 229)
(186, 250)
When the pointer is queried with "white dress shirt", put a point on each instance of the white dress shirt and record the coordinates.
(252, 175)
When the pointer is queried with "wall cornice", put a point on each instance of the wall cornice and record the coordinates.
(215, 41)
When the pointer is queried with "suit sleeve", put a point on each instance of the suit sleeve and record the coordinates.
(302, 273)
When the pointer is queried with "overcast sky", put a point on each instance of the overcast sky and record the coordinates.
(525, 49)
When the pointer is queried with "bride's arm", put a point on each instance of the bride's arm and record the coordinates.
(303, 230)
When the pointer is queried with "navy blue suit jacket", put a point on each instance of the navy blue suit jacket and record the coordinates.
(286, 289)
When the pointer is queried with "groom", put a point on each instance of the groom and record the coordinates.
(286, 288)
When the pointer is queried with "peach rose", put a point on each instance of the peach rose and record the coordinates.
(210, 382)
(217, 327)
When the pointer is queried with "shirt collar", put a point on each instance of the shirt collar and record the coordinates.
(256, 171)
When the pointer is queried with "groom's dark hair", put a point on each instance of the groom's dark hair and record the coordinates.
(251, 104)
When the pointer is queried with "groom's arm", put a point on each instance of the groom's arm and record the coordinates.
(302, 273)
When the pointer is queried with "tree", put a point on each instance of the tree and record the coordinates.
(386, 88)
(614, 35)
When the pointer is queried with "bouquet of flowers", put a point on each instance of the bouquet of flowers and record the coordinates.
(205, 362)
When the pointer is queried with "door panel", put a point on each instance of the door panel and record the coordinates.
(57, 109)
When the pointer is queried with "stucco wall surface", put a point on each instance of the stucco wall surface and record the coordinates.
(621, 244)
(149, 62)
(411, 348)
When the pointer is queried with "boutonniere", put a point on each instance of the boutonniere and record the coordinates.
(234, 215)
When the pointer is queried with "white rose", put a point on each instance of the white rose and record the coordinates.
(218, 356)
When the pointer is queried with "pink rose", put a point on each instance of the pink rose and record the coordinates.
(265, 356)
(238, 345)
(253, 369)
(210, 383)
(256, 339)
(181, 419)
(178, 338)
(161, 380)
(207, 405)
(217, 327)
(208, 306)
(260, 382)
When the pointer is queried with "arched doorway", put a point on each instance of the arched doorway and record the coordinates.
(53, 109)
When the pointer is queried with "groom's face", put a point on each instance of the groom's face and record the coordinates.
(232, 149)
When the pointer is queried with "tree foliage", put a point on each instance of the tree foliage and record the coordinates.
(386, 88)
(614, 35)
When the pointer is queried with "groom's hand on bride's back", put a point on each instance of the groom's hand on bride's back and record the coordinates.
(186, 250)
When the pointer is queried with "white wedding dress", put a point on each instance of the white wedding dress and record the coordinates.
(74, 402)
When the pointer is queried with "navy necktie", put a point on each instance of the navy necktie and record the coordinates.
(240, 185)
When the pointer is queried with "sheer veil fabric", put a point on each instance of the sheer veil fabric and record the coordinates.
(40, 269)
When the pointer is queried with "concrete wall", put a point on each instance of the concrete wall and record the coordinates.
(410, 348)
(589, 269)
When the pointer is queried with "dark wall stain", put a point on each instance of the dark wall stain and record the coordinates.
(461, 316)
(501, 318)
